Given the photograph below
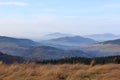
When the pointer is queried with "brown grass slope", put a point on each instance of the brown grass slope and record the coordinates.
(32, 71)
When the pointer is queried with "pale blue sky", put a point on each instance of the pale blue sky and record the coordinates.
(33, 18)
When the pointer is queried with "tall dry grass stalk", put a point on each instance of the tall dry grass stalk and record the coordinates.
(92, 63)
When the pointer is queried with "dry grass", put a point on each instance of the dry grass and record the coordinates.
(59, 72)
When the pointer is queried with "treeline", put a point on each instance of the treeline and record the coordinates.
(87, 61)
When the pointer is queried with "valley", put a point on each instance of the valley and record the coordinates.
(59, 48)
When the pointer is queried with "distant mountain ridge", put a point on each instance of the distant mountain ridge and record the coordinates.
(77, 46)
(117, 41)
(54, 35)
(103, 37)
(31, 50)
(71, 41)
(17, 41)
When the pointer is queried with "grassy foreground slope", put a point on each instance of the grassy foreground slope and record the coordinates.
(59, 72)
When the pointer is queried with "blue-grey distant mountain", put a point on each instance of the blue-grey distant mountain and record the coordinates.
(29, 49)
(17, 41)
(55, 35)
(117, 42)
(103, 37)
(70, 41)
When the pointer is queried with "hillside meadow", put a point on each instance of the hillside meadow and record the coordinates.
(32, 71)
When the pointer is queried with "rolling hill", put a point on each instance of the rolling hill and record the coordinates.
(117, 42)
(46, 52)
(16, 46)
(77, 47)
(29, 49)
(17, 41)
(10, 59)
(107, 48)
(70, 41)
(54, 35)
(103, 37)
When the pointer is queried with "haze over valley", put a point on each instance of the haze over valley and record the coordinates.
(62, 46)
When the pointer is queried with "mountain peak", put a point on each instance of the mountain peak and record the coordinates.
(55, 35)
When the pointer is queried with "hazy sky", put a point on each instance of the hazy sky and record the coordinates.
(33, 18)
